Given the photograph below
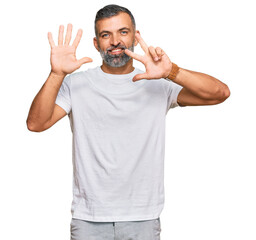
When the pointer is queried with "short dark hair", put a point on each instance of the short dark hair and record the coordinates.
(110, 11)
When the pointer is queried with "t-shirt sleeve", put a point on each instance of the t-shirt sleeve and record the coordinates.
(172, 94)
(63, 98)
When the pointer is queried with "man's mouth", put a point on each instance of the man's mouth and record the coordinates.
(116, 51)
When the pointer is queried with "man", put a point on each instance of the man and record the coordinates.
(117, 115)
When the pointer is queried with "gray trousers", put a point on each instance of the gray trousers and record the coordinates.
(132, 230)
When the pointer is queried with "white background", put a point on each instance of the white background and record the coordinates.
(210, 150)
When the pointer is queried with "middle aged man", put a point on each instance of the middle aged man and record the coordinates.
(117, 114)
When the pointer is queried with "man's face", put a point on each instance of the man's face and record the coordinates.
(115, 34)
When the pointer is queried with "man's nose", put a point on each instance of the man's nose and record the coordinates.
(115, 40)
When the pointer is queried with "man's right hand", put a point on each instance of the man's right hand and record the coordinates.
(63, 56)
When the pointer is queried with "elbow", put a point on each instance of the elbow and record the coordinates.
(225, 93)
(31, 126)
(222, 94)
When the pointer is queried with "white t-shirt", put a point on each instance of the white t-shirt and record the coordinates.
(118, 150)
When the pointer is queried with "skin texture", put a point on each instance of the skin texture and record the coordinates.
(198, 88)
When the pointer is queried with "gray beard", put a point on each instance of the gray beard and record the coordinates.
(118, 60)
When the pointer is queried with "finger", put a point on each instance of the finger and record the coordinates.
(142, 42)
(84, 60)
(60, 38)
(159, 52)
(52, 44)
(134, 55)
(78, 38)
(68, 34)
(140, 77)
(153, 53)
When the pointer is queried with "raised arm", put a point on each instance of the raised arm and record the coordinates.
(44, 112)
(198, 88)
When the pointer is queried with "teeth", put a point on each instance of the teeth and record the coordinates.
(116, 50)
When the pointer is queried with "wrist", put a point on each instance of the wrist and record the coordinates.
(58, 75)
(173, 72)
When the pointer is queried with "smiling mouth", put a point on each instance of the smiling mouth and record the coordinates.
(116, 51)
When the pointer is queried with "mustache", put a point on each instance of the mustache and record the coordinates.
(117, 46)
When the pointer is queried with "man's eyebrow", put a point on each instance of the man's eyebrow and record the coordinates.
(104, 31)
(125, 28)
(121, 29)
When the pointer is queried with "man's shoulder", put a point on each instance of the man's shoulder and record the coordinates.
(84, 73)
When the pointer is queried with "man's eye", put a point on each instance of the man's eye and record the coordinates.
(124, 32)
(104, 35)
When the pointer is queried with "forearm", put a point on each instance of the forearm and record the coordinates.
(43, 104)
(201, 85)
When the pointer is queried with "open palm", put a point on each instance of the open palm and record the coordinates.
(156, 61)
(63, 56)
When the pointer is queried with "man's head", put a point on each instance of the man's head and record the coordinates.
(114, 30)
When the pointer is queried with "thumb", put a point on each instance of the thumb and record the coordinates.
(139, 77)
(84, 60)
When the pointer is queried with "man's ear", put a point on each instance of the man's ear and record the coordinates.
(95, 42)
(136, 42)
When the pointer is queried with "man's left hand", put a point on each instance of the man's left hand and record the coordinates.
(157, 63)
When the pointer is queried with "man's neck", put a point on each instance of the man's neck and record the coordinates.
(127, 68)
